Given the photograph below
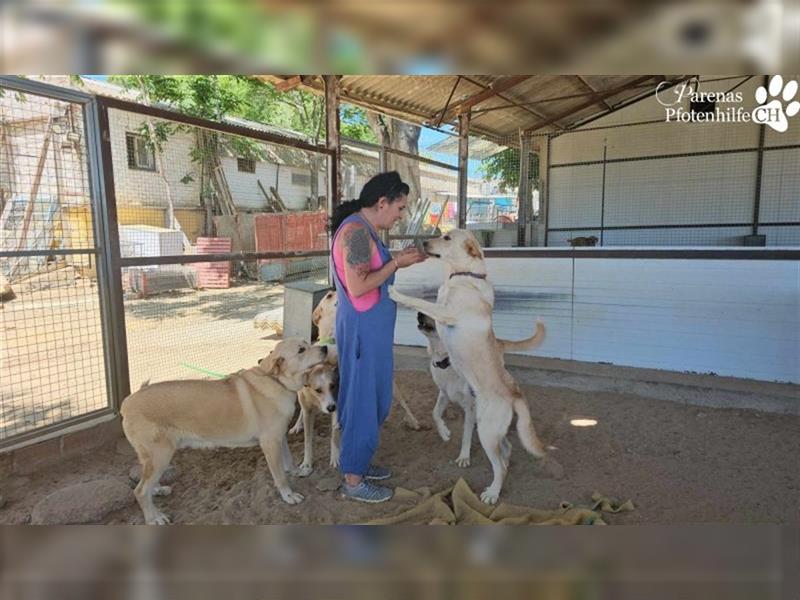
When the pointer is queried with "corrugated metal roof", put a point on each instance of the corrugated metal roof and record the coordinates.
(537, 103)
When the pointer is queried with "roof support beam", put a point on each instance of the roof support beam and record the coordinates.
(527, 109)
(498, 87)
(593, 91)
(289, 83)
(584, 105)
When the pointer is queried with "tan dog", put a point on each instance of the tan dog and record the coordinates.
(324, 317)
(463, 315)
(319, 395)
(253, 406)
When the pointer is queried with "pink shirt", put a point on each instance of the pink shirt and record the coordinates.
(371, 298)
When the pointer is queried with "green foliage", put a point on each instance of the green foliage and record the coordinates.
(354, 124)
(215, 96)
(504, 166)
(281, 40)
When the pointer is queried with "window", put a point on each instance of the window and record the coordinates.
(140, 155)
(303, 179)
(246, 165)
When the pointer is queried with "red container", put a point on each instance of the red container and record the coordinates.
(302, 231)
(213, 275)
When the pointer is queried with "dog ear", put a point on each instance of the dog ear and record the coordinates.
(473, 249)
(274, 364)
(316, 316)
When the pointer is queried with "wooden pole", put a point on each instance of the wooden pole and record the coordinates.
(463, 167)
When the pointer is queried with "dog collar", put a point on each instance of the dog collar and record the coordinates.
(328, 341)
(469, 274)
(442, 364)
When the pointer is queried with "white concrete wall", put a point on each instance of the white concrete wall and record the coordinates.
(147, 188)
(738, 318)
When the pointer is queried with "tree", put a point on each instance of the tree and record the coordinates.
(216, 96)
(204, 96)
(504, 166)
(400, 135)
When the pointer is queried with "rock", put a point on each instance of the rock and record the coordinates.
(6, 292)
(167, 477)
(329, 484)
(82, 503)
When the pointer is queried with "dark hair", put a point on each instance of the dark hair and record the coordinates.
(388, 185)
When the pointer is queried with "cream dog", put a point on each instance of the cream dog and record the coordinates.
(324, 317)
(251, 407)
(323, 385)
(453, 387)
(463, 315)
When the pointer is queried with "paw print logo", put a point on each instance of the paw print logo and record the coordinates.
(774, 114)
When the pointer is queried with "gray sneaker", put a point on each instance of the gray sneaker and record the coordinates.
(376, 473)
(367, 492)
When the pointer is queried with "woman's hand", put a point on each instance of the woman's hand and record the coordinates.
(409, 256)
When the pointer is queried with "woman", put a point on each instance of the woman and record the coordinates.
(365, 319)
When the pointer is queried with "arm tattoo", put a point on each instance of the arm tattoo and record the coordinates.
(359, 250)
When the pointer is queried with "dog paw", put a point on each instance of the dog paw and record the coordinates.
(296, 428)
(412, 423)
(334, 462)
(162, 490)
(291, 497)
(489, 496)
(463, 461)
(393, 293)
(444, 432)
(303, 470)
(160, 519)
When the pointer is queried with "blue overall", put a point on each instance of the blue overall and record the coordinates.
(364, 342)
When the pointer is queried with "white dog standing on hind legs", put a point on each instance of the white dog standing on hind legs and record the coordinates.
(463, 315)
(453, 387)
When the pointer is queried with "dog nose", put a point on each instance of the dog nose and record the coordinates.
(331, 408)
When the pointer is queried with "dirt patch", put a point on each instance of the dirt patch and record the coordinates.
(678, 463)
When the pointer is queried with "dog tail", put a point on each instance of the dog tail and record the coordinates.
(526, 344)
(525, 430)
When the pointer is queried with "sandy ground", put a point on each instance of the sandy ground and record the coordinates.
(678, 463)
(51, 345)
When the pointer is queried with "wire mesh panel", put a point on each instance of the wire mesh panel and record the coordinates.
(183, 189)
(360, 162)
(635, 178)
(51, 342)
(432, 200)
(208, 333)
(251, 205)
